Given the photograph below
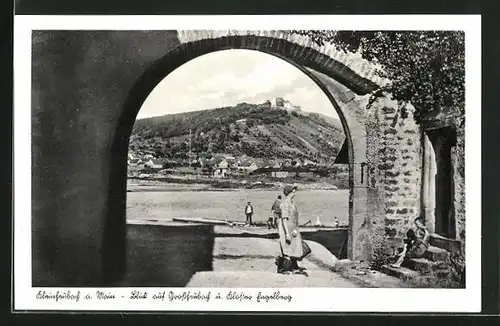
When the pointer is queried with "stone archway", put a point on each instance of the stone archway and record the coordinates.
(87, 89)
(350, 95)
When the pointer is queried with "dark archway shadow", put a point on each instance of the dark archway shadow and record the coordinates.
(442, 140)
(166, 255)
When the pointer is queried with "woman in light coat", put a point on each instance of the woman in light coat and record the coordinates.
(289, 236)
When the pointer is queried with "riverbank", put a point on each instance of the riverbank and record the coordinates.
(174, 183)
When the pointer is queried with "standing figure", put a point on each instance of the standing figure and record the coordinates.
(289, 236)
(249, 213)
(276, 209)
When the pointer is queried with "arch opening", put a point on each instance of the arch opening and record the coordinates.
(140, 94)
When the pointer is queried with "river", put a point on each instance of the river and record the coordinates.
(165, 205)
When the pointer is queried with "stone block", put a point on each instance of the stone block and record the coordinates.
(391, 204)
(388, 110)
(386, 166)
(390, 158)
(450, 245)
(421, 265)
(391, 174)
(391, 189)
(391, 232)
(401, 272)
(436, 254)
(392, 221)
(343, 264)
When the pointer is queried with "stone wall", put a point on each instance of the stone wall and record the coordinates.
(80, 85)
(449, 126)
(458, 162)
(394, 160)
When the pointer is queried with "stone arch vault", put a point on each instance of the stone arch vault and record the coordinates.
(87, 87)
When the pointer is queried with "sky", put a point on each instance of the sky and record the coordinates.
(229, 77)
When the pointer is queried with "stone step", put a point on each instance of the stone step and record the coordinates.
(450, 245)
(401, 272)
(442, 272)
(436, 254)
(421, 265)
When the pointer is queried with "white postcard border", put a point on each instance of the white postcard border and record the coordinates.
(304, 299)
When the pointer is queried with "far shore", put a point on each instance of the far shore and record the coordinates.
(151, 183)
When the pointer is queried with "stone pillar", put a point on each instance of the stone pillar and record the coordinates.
(394, 154)
(366, 220)
(77, 233)
(82, 109)
(429, 184)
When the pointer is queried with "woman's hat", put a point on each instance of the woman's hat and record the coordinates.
(288, 189)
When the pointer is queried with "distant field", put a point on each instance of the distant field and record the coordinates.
(165, 205)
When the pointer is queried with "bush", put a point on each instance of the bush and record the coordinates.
(432, 280)
(383, 253)
(457, 263)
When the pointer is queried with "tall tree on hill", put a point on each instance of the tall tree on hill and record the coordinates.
(425, 68)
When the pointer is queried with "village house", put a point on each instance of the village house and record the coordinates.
(134, 161)
(203, 161)
(231, 160)
(153, 164)
(308, 162)
(220, 167)
(279, 174)
(247, 166)
(307, 174)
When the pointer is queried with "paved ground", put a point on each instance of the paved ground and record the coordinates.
(249, 262)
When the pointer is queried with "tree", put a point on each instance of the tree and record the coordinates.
(425, 68)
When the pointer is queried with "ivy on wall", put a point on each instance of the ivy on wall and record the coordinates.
(425, 68)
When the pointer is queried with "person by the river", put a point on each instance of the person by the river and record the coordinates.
(276, 209)
(417, 243)
(249, 213)
(290, 239)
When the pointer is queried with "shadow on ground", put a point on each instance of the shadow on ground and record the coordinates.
(167, 256)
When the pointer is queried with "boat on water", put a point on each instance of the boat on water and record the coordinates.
(205, 220)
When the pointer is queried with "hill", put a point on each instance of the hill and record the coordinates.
(256, 130)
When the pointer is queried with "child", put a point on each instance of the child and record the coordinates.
(409, 241)
(417, 245)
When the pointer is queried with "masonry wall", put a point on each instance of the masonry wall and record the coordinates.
(450, 122)
(458, 162)
(395, 163)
